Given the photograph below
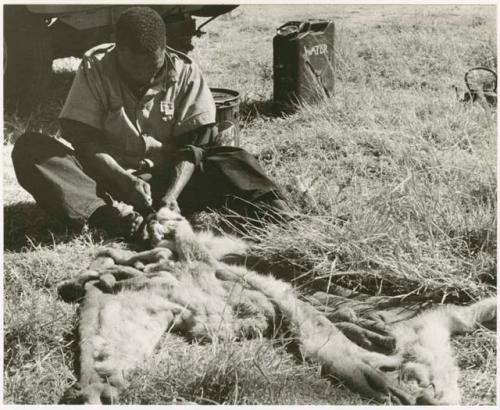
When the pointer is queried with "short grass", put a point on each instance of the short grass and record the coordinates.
(402, 201)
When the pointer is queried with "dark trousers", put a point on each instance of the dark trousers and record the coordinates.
(51, 172)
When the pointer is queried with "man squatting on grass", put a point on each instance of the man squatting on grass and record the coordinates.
(134, 103)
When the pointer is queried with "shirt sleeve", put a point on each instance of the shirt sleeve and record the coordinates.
(85, 102)
(195, 106)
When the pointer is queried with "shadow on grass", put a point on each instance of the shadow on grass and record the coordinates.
(25, 225)
(285, 270)
(72, 342)
(60, 84)
(250, 110)
(39, 112)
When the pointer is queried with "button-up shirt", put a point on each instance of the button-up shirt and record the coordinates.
(177, 101)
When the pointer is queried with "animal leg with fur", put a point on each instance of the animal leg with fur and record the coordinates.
(196, 297)
(319, 337)
(322, 341)
(420, 335)
(178, 231)
(91, 388)
(72, 289)
(423, 342)
(117, 332)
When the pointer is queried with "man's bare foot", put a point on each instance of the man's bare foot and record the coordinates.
(117, 220)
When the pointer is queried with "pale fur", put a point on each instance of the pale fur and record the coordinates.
(190, 290)
(424, 344)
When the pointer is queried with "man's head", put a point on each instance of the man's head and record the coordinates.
(140, 42)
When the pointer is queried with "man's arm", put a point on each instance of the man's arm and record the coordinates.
(182, 173)
(94, 156)
(185, 163)
(195, 116)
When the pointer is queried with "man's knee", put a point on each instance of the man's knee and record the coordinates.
(25, 146)
(32, 147)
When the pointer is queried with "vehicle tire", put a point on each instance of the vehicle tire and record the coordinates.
(28, 54)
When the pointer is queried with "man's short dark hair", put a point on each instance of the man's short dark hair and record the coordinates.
(141, 30)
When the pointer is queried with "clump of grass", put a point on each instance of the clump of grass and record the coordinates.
(389, 201)
(39, 329)
(477, 350)
(246, 372)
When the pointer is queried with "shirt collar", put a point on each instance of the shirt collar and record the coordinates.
(172, 74)
(168, 74)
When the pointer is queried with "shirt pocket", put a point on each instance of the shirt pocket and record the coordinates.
(121, 133)
(161, 118)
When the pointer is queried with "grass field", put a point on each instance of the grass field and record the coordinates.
(402, 184)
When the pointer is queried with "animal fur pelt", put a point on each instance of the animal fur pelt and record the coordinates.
(130, 299)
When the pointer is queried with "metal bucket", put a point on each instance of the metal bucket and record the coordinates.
(227, 103)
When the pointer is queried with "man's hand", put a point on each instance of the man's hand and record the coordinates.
(139, 192)
(170, 203)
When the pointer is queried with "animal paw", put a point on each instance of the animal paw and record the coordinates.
(71, 291)
(415, 372)
(385, 388)
(107, 282)
(163, 224)
(100, 393)
(119, 256)
(366, 338)
(95, 393)
(156, 232)
(434, 394)
(344, 314)
(369, 380)
(430, 396)
(165, 265)
(170, 220)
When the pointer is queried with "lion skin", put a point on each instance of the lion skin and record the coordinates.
(182, 285)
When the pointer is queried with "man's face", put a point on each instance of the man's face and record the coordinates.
(141, 69)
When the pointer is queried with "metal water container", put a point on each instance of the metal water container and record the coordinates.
(303, 62)
(227, 117)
